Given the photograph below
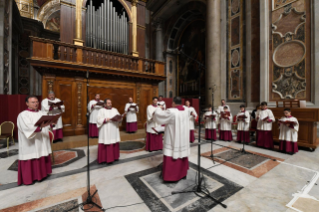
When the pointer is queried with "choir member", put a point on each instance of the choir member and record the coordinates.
(254, 119)
(34, 144)
(176, 145)
(94, 108)
(243, 120)
(52, 111)
(225, 125)
(109, 133)
(131, 117)
(265, 119)
(192, 118)
(220, 109)
(161, 102)
(210, 118)
(154, 140)
(288, 137)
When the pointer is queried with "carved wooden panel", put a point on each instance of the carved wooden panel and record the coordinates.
(72, 90)
(235, 65)
(64, 92)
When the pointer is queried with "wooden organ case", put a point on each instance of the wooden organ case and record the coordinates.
(107, 54)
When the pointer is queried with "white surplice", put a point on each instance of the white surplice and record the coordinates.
(265, 125)
(32, 145)
(221, 109)
(192, 117)
(176, 136)
(150, 121)
(109, 132)
(209, 122)
(94, 110)
(243, 125)
(162, 103)
(55, 111)
(225, 124)
(287, 133)
(131, 116)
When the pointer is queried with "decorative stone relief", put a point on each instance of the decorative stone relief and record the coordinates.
(289, 85)
(289, 22)
(289, 53)
(276, 4)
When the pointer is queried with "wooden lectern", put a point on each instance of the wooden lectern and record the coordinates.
(307, 118)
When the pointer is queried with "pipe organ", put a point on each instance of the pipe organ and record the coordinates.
(106, 29)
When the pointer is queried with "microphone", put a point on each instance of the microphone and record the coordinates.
(87, 74)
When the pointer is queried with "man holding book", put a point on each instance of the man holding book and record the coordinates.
(176, 145)
(192, 118)
(210, 119)
(161, 102)
(226, 119)
(243, 120)
(108, 122)
(94, 107)
(131, 118)
(288, 137)
(54, 106)
(265, 118)
(34, 144)
(154, 139)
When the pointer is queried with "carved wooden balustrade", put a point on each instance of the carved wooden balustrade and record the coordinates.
(55, 54)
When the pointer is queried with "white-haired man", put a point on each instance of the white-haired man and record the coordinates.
(48, 106)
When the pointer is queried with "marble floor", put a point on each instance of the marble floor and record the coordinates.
(262, 181)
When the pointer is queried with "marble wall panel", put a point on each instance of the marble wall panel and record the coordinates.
(290, 50)
(255, 51)
(235, 51)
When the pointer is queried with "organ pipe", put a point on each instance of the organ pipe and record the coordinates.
(106, 29)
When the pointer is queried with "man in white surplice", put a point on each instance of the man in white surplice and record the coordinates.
(192, 118)
(52, 111)
(93, 109)
(109, 134)
(176, 140)
(161, 102)
(34, 144)
(131, 117)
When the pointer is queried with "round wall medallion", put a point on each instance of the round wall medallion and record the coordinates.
(235, 6)
(289, 53)
(235, 58)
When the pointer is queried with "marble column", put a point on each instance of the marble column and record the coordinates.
(159, 54)
(213, 51)
(249, 105)
(134, 28)
(264, 50)
(78, 24)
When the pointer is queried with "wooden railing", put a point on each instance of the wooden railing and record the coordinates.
(50, 50)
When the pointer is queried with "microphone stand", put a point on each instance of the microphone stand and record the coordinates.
(212, 140)
(243, 149)
(199, 189)
(89, 200)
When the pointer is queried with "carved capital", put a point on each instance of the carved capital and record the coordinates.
(134, 2)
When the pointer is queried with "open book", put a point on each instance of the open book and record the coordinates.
(100, 103)
(281, 121)
(224, 114)
(210, 116)
(117, 118)
(133, 108)
(47, 119)
(159, 129)
(55, 104)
